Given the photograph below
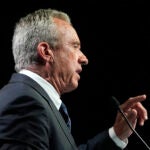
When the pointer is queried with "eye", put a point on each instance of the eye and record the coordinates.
(76, 45)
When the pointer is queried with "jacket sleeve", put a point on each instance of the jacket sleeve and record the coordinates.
(102, 141)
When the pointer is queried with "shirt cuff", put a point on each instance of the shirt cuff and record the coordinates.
(118, 142)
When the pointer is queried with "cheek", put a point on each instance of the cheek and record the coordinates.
(68, 72)
(65, 71)
(66, 64)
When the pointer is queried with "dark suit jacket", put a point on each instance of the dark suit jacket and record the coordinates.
(30, 121)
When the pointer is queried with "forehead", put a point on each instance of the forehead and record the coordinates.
(66, 30)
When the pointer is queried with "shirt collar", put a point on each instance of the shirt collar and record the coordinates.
(49, 89)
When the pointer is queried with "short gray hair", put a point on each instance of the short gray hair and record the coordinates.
(32, 29)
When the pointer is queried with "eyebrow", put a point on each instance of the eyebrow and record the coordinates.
(76, 43)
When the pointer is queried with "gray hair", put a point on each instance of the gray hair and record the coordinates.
(32, 29)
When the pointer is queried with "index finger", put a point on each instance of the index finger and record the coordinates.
(133, 100)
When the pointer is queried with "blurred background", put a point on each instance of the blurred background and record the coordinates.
(115, 36)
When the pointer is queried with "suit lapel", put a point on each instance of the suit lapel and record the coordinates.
(16, 77)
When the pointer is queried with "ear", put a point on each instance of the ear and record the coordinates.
(45, 52)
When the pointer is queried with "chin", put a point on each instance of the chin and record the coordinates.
(73, 87)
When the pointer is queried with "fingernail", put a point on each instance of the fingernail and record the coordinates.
(142, 123)
(146, 118)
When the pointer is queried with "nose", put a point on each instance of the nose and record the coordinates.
(83, 59)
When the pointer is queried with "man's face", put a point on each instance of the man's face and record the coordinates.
(68, 58)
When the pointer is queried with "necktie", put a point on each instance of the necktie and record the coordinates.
(65, 115)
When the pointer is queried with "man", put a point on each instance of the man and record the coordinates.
(48, 62)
